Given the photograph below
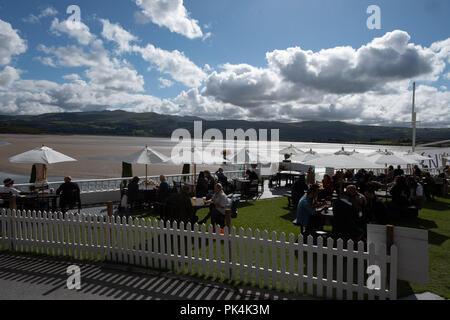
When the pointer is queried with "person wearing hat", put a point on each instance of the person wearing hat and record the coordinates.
(8, 187)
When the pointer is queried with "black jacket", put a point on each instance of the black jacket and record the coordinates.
(70, 193)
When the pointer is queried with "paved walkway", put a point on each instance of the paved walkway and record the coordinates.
(37, 278)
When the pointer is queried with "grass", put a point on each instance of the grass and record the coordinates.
(274, 215)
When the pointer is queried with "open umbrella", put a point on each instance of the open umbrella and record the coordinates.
(291, 150)
(306, 156)
(196, 156)
(414, 156)
(342, 160)
(146, 156)
(389, 158)
(42, 155)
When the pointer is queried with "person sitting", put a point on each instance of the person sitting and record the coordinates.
(298, 190)
(211, 180)
(163, 189)
(346, 219)
(417, 172)
(400, 197)
(310, 177)
(375, 210)
(222, 179)
(398, 172)
(348, 175)
(415, 194)
(306, 211)
(179, 207)
(357, 199)
(133, 193)
(327, 184)
(338, 179)
(202, 185)
(9, 187)
(217, 209)
(390, 174)
(70, 195)
(251, 175)
(430, 187)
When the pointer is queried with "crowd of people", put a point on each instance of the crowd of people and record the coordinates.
(354, 201)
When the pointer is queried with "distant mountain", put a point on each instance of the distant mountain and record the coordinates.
(156, 125)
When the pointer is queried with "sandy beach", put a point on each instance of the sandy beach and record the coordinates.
(98, 156)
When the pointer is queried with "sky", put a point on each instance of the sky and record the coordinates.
(287, 60)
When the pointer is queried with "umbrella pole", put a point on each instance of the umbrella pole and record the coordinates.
(195, 180)
(146, 176)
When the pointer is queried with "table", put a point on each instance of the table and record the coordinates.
(290, 176)
(38, 201)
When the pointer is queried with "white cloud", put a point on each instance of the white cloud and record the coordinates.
(165, 83)
(114, 32)
(174, 63)
(47, 12)
(77, 30)
(8, 76)
(11, 43)
(170, 14)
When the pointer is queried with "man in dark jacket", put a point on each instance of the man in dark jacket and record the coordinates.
(345, 224)
(375, 210)
(179, 207)
(70, 195)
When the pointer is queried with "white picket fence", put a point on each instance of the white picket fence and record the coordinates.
(252, 258)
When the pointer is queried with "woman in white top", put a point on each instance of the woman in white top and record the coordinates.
(416, 192)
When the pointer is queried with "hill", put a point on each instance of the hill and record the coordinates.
(156, 125)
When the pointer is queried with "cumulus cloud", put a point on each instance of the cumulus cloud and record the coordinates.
(77, 30)
(8, 76)
(171, 14)
(333, 84)
(174, 63)
(47, 12)
(114, 32)
(165, 83)
(11, 43)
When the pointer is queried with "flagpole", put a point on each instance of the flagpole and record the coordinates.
(414, 118)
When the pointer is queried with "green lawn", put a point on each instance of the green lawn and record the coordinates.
(274, 215)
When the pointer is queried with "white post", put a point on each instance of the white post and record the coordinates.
(414, 118)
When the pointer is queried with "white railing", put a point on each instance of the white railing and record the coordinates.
(252, 258)
(106, 185)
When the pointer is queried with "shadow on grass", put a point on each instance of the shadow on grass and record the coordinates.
(436, 238)
(437, 205)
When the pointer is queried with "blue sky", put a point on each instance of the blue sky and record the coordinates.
(287, 60)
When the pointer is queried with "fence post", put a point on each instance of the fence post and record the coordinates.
(110, 208)
(389, 238)
(11, 229)
(13, 202)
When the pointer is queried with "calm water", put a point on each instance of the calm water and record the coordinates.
(100, 156)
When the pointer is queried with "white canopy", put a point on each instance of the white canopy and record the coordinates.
(291, 150)
(244, 156)
(343, 160)
(389, 158)
(43, 155)
(196, 156)
(146, 156)
(306, 156)
(414, 156)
